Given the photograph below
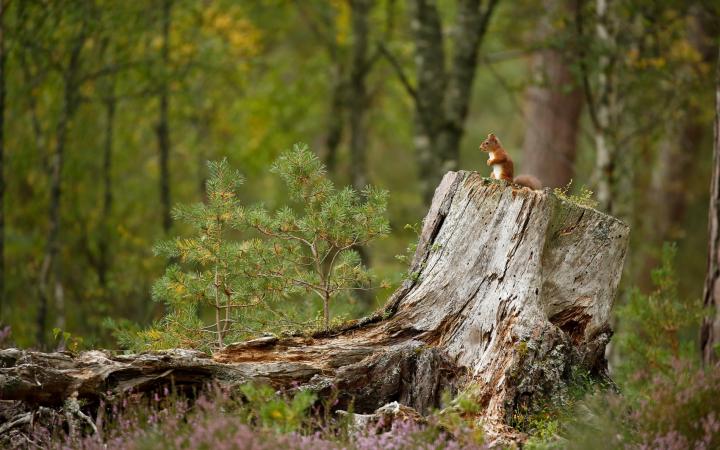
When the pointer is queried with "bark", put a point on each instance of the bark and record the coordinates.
(163, 127)
(103, 263)
(614, 165)
(710, 332)
(431, 85)
(358, 102)
(511, 292)
(358, 96)
(605, 158)
(335, 123)
(443, 91)
(2, 157)
(553, 106)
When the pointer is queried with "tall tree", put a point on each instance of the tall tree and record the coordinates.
(553, 106)
(350, 66)
(358, 98)
(3, 9)
(710, 333)
(443, 91)
(103, 263)
(608, 158)
(163, 126)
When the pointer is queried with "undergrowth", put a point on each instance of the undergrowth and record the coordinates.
(666, 400)
(584, 197)
(250, 417)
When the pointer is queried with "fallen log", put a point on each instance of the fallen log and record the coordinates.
(509, 292)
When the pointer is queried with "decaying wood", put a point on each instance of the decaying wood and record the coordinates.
(510, 291)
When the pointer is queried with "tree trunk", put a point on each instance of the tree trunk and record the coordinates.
(163, 127)
(553, 106)
(335, 121)
(511, 293)
(710, 333)
(443, 94)
(605, 160)
(431, 83)
(358, 96)
(614, 165)
(103, 264)
(2, 158)
(358, 102)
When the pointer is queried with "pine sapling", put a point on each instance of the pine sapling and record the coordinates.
(210, 272)
(313, 250)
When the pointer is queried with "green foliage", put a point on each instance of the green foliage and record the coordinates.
(657, 328)
(265, 408)
(459, 416)
(124, 331)
(67, 340)
(671, 411)
(208, 272)
(583, 198)
(247, 286)
(313, 251)
(545, 423)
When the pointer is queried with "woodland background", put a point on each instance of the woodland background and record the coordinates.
(110, 109)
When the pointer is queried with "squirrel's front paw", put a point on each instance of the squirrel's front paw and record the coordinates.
(489, 162)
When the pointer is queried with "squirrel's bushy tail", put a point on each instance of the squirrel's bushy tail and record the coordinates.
(528, 181)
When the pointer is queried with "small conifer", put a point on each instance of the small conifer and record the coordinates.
(220, 288)
(208, 272)
(314, 251)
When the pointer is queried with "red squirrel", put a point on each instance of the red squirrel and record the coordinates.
(502, 164)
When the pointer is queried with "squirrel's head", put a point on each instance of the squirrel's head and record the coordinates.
(490, 144)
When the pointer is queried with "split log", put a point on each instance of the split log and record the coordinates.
(510, 291)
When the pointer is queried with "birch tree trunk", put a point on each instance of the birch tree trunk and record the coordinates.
(510, 293)
(3, 57)
(710, 333)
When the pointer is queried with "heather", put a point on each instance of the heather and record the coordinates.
(254, 417)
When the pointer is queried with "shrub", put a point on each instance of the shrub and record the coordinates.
(218, 289)
(208, 271)
(314, 252)
(653, 326)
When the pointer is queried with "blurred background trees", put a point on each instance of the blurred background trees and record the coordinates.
(109, 110)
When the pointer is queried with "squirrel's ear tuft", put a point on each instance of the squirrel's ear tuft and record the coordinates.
(491, 136)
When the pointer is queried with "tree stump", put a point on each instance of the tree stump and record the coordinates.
(510, 292)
